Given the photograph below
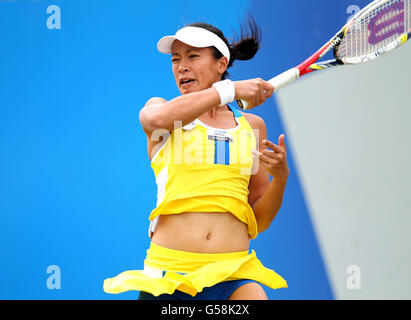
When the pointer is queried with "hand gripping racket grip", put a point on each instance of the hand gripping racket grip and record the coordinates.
(277, 82)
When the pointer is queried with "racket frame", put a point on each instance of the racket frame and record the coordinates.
(310, 64)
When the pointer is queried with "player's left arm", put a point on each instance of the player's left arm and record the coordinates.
(266, 197)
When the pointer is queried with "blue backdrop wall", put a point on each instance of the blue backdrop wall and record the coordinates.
(76, 186)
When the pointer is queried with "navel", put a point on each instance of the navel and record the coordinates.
(208, 237)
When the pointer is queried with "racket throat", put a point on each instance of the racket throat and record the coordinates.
(322, 65)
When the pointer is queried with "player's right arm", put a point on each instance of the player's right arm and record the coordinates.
(159, 113)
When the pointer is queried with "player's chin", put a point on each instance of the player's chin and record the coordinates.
(188, 90)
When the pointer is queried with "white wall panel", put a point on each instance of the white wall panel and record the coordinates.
(349, 131)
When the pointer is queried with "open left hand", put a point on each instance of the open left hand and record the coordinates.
(275, 160)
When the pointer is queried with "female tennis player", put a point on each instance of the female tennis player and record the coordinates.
(214, 191)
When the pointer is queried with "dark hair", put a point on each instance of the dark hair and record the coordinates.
(243, 47)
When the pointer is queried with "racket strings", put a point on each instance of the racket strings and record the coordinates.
(375, 28)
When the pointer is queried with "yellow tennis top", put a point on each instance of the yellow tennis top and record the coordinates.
(199, 168)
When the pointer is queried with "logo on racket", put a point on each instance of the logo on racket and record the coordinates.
(386, 23)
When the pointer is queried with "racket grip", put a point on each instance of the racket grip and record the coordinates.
(277, 82)
(284, 78)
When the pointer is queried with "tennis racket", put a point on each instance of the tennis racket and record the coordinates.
(380, 27)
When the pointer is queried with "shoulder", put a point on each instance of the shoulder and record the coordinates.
(155, 100)
(148, 114)
(255, 121)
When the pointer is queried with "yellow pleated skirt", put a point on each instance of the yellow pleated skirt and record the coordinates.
(167, 270)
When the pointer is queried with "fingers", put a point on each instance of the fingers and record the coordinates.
(262, 97)
(259, 92)
(281, 142)
(254, 91)
(280, 148)
(275, 163)
(273, 155)
(268, 89)
(274, 160)
(277, 153)
(268, 157)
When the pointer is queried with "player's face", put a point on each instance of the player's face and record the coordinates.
(194, 68)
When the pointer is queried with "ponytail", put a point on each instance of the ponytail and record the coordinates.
(243, 47)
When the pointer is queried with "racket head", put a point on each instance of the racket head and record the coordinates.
(380, 27)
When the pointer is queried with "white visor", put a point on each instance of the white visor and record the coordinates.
(195, 37)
